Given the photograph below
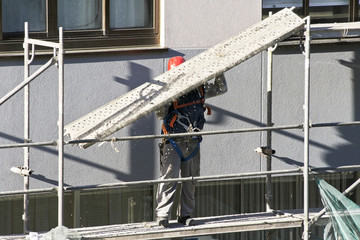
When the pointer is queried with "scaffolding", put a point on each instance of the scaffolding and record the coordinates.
(58, 52)
(95, 132)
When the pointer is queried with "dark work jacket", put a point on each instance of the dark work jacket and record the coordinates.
(192, 112)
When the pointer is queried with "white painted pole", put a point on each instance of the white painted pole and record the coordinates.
(26, 126)
(61, 130)
(306, 129)
(269, 195)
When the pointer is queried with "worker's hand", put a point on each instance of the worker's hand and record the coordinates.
(217, 88)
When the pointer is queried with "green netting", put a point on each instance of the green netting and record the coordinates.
(344, 213)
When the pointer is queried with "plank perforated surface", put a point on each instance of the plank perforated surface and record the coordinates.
(205, 226)
(146, 98)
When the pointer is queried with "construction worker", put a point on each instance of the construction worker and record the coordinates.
(186, 114)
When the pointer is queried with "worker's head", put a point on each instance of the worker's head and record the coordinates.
(175, 61)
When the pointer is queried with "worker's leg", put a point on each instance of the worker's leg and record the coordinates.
(189, 168)
(169, 168)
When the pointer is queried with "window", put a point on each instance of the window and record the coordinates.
(86, 23)
(79, 15)
(321, 11)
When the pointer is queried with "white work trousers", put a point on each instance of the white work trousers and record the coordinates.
(170, 166)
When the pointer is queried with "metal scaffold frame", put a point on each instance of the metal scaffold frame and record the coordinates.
(58, 59)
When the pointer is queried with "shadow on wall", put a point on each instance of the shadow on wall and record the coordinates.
(54, 152)
(284, 159)
(142, 152)
(347, 154)
(142, 157)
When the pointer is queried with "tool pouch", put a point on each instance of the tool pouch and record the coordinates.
(161, 148)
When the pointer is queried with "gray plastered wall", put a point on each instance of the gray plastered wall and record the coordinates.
(92, 80)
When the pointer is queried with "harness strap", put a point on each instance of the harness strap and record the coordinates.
(176, 147)
(163, 129)
(176, 116)
(173, 120)
(201, 90)
(202, 100)
(177, 106)
(181, 155)
(208, 110)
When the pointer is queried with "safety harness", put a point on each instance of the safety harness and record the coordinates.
(176, 117)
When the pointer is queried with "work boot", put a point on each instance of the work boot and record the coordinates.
(188, 221)
(163, 222)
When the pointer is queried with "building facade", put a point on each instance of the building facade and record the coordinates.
(106, 56)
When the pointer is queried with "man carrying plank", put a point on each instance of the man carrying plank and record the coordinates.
(186, 114)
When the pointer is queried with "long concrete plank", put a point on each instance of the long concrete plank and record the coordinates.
(168, 86)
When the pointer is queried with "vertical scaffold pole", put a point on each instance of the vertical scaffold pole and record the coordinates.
(306, 129)
(269, 196)
(26, 125)
(61, 130)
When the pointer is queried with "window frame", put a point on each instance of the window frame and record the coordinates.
(353, 14)
(87, 39)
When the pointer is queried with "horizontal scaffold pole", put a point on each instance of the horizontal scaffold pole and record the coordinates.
(38, 144)
(202, 133)
(21, 192)
(224, 177)
(41, 43)
(140, 137)
(218, 132)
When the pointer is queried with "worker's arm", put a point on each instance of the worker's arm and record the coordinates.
(217, 88)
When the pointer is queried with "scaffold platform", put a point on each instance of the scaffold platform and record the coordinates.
(205, 226)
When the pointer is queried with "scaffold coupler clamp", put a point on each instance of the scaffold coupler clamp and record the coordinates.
(303, 235)
(24, 217)
(265, 150)
(302, 169)
(268, 197)
(22, 171)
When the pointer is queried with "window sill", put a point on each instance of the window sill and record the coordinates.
(123, 49)
(145, 48)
